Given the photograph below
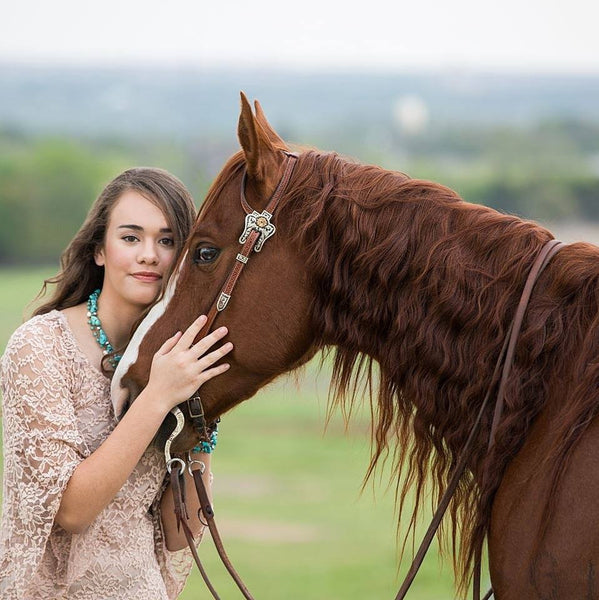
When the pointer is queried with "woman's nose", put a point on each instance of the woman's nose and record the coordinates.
(147, 254)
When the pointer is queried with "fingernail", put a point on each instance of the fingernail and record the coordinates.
(222, 330)
(202, 318)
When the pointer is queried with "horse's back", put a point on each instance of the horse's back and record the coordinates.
(565, 563)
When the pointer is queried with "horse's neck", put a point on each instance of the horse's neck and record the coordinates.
(421, 282)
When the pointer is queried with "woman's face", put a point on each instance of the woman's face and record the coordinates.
(137, 252)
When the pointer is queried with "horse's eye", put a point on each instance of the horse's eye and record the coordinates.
(205, 254)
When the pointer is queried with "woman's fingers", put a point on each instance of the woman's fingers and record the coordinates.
(207, 342)
(209, 359)
(169, 344)
(190, 333)
(210, 373)
(180, 367)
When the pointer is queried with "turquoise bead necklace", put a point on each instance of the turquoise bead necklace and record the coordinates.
(96, 327)
(208, 447)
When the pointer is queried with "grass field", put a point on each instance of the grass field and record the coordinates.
(287, 494)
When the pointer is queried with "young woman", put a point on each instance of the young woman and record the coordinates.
(86, 510)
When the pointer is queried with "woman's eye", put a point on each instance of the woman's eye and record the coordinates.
(205, 254)
(129, 238)
(167, 241)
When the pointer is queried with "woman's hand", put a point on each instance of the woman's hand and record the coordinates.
(180, 368)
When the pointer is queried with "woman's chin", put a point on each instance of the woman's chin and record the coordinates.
(144, 294)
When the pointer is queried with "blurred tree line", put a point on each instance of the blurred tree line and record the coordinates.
(47, 185)
(548, 172)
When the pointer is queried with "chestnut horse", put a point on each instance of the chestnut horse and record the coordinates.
(414, 290)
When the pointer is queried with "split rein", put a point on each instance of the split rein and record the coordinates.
(258, 228)
(504, 364)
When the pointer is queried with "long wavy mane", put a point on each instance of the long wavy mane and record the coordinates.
(415, 292)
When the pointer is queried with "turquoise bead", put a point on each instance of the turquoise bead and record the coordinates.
(207, 447)
(96, 327)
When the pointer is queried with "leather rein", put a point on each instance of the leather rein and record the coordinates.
(257, 229)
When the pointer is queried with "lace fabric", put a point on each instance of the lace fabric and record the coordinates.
(56, 412)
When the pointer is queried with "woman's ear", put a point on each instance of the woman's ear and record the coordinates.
(99, 257)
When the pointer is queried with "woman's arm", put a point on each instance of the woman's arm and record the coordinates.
(98, 478)
(178, 370)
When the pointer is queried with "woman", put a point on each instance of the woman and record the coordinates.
(86, 512)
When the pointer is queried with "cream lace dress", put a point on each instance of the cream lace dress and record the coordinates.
(56, 412)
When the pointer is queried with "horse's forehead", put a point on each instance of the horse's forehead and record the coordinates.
(222, 209)
(221, 220)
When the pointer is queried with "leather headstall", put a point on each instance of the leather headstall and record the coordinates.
(258, 227)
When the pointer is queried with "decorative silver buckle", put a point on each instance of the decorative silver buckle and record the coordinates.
(223, 300)
(172, 461)
(259, 222)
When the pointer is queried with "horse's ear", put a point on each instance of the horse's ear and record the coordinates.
(273, 136)
(254, 140)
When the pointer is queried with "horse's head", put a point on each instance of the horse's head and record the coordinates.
(268, 314)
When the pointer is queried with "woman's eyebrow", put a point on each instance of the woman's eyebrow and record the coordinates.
(140, 228)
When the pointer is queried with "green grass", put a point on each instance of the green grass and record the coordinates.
(287, 494)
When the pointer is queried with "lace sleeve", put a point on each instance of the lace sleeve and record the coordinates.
(42, 448)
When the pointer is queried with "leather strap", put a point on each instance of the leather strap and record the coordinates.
(208, 512)
(451, 487)
(507, 353)
(196, 413)
(178, 490)
(280, 189)
(543, 259)
(242, 258)
(194, 404)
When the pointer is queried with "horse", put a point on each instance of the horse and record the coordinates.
(413, 290)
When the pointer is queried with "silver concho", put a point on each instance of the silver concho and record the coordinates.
(223, 299)
(261, 223)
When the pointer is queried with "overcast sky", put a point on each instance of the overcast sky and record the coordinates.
(524, 35)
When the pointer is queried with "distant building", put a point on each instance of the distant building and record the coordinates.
(410, 114)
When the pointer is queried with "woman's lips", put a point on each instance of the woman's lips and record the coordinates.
(146, 276)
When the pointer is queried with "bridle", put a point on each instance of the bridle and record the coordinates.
(258, 228)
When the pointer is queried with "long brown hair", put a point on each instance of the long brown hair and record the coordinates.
(79, 275)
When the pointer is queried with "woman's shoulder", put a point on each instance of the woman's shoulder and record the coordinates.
(44, 332)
